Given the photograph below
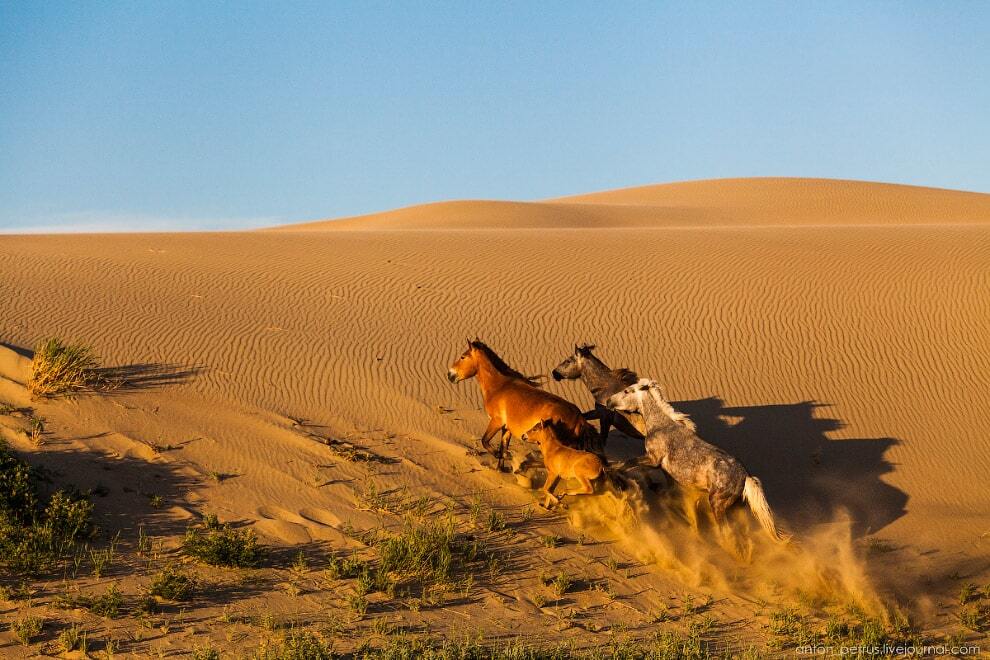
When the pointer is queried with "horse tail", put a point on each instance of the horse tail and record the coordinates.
(753, 495)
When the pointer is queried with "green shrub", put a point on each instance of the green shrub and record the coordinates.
(429, 552)
(72, 638)
(223, 546)
(58, 368)
(172, 584)
(343, 568)
(26, 628)
(36, 533)
(438, 648)
(18, 487)
(205, 653)
(107, 604)
(296, 645)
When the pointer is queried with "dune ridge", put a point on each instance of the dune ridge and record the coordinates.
(706, 203)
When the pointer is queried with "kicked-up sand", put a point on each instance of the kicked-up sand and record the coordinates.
(833, 335)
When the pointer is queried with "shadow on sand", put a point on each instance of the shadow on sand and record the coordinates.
(147, 375)
(809, 477)
(133, 377)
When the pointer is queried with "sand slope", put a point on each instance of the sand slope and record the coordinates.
(719, 202)
(846, 365)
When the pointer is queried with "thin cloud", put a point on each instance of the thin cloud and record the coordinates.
(92, 222)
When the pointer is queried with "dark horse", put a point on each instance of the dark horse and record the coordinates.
(603, 383)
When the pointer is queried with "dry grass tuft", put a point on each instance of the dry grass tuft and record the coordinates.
(58, 368)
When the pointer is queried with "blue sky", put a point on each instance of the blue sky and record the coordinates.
(152, 115)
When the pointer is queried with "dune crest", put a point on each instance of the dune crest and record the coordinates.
(707, 203)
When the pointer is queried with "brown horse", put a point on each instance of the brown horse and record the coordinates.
(514, 402)
(564, 462)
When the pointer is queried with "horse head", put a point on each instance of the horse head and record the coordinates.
(464, 367)
(572, 365)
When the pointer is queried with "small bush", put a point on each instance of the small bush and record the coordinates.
(107, 604)
(296, 645)
(221, 545)
(343, 568)
(26, 628)
(72, 638)
(205, 653)
(58, 368)
(172, 584)
(560, 584)
(34, 533)
(438, 648)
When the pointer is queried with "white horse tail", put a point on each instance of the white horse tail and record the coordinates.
(753, 495)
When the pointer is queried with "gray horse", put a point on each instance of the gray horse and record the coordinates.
(603, 383)
(689, 460)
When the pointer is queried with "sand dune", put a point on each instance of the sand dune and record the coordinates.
(714, 203)
(833, 335)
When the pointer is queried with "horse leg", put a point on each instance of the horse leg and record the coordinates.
(606, 422)
(718, 506)
(503, 447)
(586, 487)
(552, 480)
(690, 500)
(727, 538)
(494, 426)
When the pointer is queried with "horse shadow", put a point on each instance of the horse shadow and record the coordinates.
(809, 478)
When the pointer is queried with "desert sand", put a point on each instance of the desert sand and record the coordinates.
(833, 335)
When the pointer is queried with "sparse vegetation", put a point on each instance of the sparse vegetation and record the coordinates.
(36, 533)
(26, 628)
(102, 559)
(73, 638)
(342, 568)
(37, 435)
(222, 545)
(13, 593)
(427, 554)
(207, 653)
(58, 368)
(109, 604)
(560, 584)
(972, 616)
(296, 645)
(439, 648)
(172, 584)
(967, 593)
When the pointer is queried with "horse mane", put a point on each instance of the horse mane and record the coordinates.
(677, 416)
(626, 376)
(502, 367)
